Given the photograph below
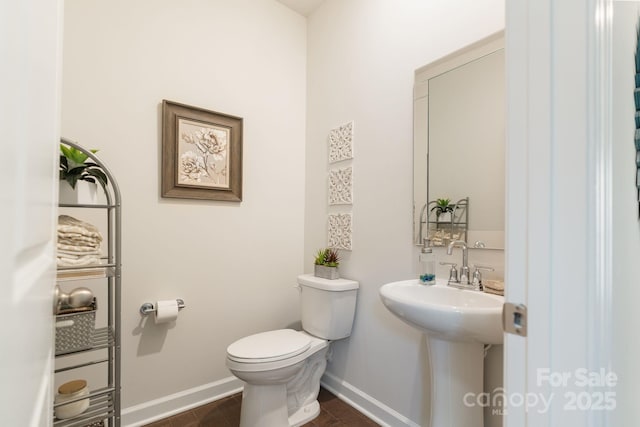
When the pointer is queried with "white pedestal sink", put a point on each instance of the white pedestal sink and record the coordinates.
(458, 324)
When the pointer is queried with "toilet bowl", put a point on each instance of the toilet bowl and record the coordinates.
(282, 368)
(282, 378)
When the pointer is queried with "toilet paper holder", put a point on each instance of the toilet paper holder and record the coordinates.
(148, 308)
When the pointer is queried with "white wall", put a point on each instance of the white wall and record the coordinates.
(234, 264)
(361, 60)
(626, 228)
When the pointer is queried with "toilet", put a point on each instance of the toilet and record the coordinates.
(282, 368)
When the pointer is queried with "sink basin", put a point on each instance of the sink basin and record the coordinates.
(446, 312)
(458, 323)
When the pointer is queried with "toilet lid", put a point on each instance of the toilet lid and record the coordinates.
(269, 346)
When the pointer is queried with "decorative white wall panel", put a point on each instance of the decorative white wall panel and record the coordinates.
(340, 231)
(341, 186)
(341, 143)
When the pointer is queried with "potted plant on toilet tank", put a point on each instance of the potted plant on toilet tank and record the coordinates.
(326, 264)
(78, 177)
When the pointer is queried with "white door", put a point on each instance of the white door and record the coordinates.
(29, 128)
(559, 214)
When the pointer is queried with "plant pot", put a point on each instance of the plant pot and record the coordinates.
(444, 217)
(326, 272)
(85, 193)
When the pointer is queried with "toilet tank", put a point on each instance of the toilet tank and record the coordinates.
(327, 306)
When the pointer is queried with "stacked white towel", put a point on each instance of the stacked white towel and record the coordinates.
(78, 242)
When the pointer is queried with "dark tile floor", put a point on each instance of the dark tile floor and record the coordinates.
(226, 413)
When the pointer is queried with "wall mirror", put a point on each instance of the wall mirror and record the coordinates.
(459, 140)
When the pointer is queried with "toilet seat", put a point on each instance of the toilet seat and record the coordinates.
(271, 346)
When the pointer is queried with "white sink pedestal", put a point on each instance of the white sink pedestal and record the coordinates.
(458, 323)
(456, 370)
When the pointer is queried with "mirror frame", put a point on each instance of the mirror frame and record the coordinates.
(458, 58)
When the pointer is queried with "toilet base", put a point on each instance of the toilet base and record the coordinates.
(262, 407)
(304, 414)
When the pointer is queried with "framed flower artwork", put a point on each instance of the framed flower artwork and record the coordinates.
(201, 153)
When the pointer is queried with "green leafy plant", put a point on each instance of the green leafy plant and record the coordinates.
(442, 206)
(74, 167)
(320, 256)
(328, 257)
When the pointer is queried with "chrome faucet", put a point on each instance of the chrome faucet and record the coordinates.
(463, 277)
(477, 276)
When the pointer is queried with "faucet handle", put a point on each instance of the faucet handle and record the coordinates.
(453, 273)
(477, 275)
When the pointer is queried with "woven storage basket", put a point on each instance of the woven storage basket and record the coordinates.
(74, 331)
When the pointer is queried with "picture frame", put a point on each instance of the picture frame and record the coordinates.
(201, 153)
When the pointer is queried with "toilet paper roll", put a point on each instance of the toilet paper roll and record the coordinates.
(166, 311)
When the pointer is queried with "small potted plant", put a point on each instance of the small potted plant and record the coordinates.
(326, 264)
(443, 209)
(79, 178)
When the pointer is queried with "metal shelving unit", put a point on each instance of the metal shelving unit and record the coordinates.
(104, 402)
(441, 232)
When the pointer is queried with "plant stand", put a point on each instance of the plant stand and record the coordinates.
(102, 347)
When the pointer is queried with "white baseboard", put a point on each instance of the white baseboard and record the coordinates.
(173, 404)
(372, 408)
(154, 410)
